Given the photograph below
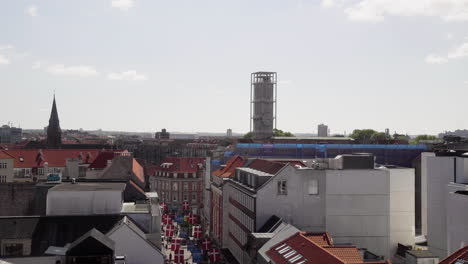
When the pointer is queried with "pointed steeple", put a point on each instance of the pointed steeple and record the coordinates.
(54, 133)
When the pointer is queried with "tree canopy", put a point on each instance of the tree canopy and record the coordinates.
(281, 133)
(365, 134)
(276, 133)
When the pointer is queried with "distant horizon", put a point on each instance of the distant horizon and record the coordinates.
(219, 133)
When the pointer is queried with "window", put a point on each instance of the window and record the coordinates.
(2, 179)
(282, 188)
(313, 187)
(40, 171)
(13, 249)
(194, 186)
(3, 165)
(185, 186)
(194, 197)
(174, 186)
(81, 172)
(185, 175)
(185, 197)
(174, 197)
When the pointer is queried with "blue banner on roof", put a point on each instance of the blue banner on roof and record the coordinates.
(329, 146)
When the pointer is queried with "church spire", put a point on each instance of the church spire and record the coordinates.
(54, 133)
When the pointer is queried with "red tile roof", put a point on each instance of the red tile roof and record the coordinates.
(462, 253)
(4, 155)
(268, 166)
(29, 158)
(181, 164)
(321, 239)
(314, 248)
(230, 169)
(100, 162)
(138, 170)
(348, 254)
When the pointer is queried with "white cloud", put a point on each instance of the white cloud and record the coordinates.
(378, 10)
(5, 47)
(78, 70)
(465, 82)
(122, 4)
(328, 3)
(127, 76)
(37, 65)
(32, 11)
(457, 53)
(435, 59)
(3, 60)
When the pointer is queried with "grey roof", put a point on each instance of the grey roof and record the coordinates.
(89, 186)
(94, 233)
(60, 251)
(421, 253)
(17, 228)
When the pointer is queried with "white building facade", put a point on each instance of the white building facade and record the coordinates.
(371, 208)
(443, 176)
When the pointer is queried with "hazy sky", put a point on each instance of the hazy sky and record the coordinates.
(184, 65)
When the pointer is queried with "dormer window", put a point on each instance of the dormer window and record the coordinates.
(21, 159)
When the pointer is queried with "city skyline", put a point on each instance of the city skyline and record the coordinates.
(141, 66)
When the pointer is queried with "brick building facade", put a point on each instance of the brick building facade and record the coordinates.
(179, 179)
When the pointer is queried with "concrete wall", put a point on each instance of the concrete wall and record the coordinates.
(17, 199)
(413, 260)
(457, 215)
(358, 208)
(84, 202)
(134, 247)
(439, 174)
(424, 168)
(402, 206)
(298, 207)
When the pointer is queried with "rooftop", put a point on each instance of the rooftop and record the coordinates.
(181, 164)
(421, 253)
(458, 257)
(256, 172)
(231, 165)
(89, 186)
(30, 158)
(313, 248)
